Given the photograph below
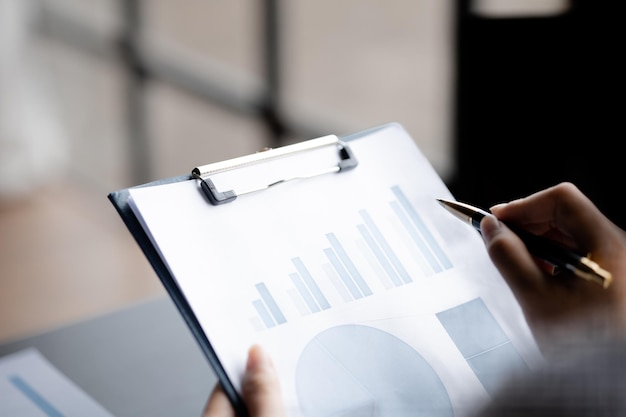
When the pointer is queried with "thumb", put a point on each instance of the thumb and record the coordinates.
(260, 385)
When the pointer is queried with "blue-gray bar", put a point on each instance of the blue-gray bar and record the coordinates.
(311, 284)
(343, 274)
(270, 303)
(418, 222)
(304, 293)
(421, 245)
(264, 313)
(385, 246)
(345, 259)
(382, 260)
(337, 282)
(35, 397)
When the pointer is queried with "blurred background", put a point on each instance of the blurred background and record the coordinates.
(103, 95)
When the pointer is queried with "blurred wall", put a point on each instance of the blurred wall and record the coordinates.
(344, 66)
(132, 91)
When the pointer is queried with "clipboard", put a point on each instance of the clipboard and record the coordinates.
(120, 198)
(442, 243)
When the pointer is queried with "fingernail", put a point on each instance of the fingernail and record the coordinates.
(497, 206)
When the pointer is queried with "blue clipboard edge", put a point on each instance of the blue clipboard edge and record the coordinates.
(119, 199)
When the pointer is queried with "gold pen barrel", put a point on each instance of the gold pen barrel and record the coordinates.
(591, 271)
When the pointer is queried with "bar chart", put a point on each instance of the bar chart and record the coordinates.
(350, 278)
(31, 386)
(35, 398)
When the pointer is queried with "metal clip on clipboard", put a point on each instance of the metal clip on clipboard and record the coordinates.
(203, 173)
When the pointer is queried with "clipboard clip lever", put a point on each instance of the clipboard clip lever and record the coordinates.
(347, 161)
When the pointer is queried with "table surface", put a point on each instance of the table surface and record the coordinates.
(139, 361)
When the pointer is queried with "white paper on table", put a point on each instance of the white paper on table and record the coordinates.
(403, 311)
(30, 386)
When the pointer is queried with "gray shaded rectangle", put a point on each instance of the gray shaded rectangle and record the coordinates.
(472, 327)
(270, 303)
(483, 343)
(310, 283)
(304, 293)
(345, 259)
(496, 365)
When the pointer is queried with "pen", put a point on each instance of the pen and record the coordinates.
(549, 251)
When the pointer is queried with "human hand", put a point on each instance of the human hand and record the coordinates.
(560, 307)
(260, 390)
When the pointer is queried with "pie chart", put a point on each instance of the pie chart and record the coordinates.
(357, 371)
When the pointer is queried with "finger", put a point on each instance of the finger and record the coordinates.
(218, 404)
(260, 385)
(539, 208)
(511, 258)
(563, 208)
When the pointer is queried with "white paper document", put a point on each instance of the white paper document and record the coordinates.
(30, 386)
(370, 297)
